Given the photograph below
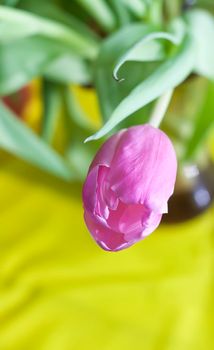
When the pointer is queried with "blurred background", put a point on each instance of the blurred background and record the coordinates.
(58, 289)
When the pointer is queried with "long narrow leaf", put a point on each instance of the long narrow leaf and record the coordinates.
(76, 115)
(137, 7)
(203, 124)
(149, 47)
(122, 14)
(135, 42)
(141, 51)
(118, 43)
(11, 2)
(170, 74)
(48, 9)
(52, 103)
(16, 24)
(100, 11)
(68, 68)
(201, 27)
(113, 48)
(18, 139)
(35, 56)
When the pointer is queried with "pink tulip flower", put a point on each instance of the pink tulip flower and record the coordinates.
(128, 185)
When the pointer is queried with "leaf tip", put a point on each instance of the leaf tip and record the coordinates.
(115, 76)
(93, 137)
(88, 139)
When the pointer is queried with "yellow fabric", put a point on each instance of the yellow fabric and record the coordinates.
(60, 291)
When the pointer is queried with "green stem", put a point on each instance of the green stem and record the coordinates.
(160, 109)
(156, 12)
(172, 9)
(52, 102)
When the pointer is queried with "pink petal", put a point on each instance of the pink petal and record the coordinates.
(103, 235)
(127, 219)
(122, 229)
(143, 169)
(106, 152)
(150, 223)
(89, 193)
(128, 186)
(101, 208)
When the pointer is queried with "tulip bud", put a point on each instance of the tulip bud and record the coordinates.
(128, 185)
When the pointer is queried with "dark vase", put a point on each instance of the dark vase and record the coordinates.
(194, 193)
(194, 189)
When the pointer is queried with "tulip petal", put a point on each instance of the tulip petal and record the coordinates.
(103, 235)
(127, 219)
(89, 192)
(106, 153)
(150, 224)
(101, 208)
(128, 186)
(143, 169)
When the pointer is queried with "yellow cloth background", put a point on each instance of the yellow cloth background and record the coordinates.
(60, 291)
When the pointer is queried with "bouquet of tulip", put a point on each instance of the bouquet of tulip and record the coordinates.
(133, 54)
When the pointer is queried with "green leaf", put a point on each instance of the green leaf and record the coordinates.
(31, 57)
(16, 24)
(11, 2)
(80, 155)
(203, 123)
(121, 12)
(18, 139)
(112, 92)
(147, 49)
(118, 43)
(109, 92)
(24, 60)
(137, 7)
(48, 9)
(201, 27)
(170, 74)
(68, 69)
(52, 103)
(150, 48)
(126, 45)
(76, 115)
(101, 12)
